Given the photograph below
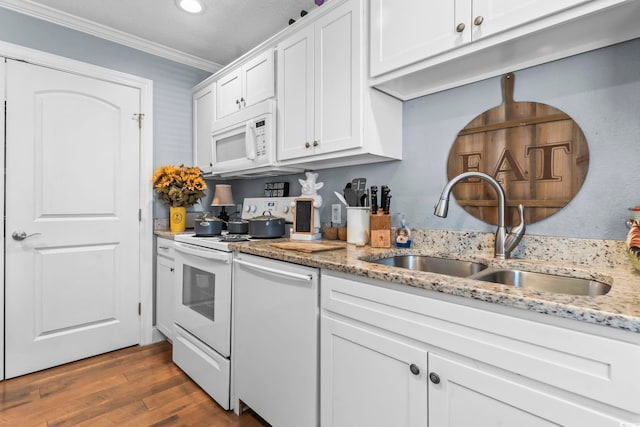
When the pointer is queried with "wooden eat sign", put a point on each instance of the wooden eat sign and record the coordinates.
(537, 153)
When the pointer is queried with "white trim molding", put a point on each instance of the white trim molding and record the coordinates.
(93, 28)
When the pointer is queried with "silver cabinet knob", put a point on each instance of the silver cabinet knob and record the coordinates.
(460, 27)
(307, 145)
(478, 21)
(415, 370)
(315, 143)
(21, 235)
(435, 378)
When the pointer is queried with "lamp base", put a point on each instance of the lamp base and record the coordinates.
(224, 217)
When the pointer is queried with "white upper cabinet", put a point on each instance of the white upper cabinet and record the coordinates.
(418, 47)
(203, 105)
(488, 17)
(405, 32)
(319, 86)
(245, 85)
(327, 115)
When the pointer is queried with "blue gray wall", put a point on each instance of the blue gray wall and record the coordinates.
(600, 90)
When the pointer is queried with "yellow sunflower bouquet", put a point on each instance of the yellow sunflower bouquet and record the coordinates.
(179, 186)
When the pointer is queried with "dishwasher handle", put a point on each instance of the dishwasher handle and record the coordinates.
(297, 276)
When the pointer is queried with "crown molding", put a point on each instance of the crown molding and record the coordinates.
(64, 19)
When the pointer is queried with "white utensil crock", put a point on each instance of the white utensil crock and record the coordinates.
(358, 225)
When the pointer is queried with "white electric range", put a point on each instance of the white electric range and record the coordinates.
(202, 345)
(251, 208)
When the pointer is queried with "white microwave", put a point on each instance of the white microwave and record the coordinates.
(244, 143)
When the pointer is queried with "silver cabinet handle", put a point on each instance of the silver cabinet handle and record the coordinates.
(460, 27)
(478, 21)
(21, 235)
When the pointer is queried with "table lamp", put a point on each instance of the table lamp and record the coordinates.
(223, 197)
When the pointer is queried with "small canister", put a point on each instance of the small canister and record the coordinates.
(358, 225)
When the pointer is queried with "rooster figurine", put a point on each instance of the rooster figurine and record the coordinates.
(633, 244)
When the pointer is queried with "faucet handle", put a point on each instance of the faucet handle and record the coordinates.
(517, 231)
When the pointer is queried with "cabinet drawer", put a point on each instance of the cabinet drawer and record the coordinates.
(164, 247)
(596, 367)
(211, 371)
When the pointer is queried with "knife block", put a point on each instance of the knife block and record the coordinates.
(380, 230)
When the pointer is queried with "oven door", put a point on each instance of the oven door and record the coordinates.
(203, 295)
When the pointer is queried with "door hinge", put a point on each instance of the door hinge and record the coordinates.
(139, 309)
(139, 215)
(139, 117)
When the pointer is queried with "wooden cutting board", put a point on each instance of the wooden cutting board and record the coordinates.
(309, 247)
(537, 153)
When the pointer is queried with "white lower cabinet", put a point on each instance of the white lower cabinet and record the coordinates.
(164, 287)
(390, 357)
(466, 394)
(369, 379)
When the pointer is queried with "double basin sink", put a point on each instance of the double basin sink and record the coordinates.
(504, 276)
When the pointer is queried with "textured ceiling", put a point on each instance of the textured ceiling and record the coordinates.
(226, 30)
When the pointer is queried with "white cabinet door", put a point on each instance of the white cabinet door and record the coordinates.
(320, 86)
(368, 379)
(402, 33)
(338, 80)
(246, 85)
(405, 32)
(295, 95)
(165, 282)
(258, 81)
(461, 395)
(229, 92)
(203, 115)
(494, 16)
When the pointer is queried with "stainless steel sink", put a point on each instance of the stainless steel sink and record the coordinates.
(451, 267)
(543, 282)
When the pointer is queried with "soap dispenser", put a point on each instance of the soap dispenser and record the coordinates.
(403, 235)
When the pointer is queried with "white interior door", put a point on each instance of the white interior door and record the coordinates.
(72, 177)
(3, 72)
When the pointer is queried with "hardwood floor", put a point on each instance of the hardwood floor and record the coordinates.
(136, 386)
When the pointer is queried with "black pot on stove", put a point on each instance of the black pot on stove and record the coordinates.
(267, 226)
(208, 226)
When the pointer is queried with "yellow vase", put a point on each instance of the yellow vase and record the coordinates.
(177, 219)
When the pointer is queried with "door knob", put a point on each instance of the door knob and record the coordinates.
(21, 235)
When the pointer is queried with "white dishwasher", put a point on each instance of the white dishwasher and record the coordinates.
(275, 353)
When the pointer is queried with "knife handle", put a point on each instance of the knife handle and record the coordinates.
(387, 204)
(374, 199)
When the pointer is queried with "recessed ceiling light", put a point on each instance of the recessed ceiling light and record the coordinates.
(191, 6)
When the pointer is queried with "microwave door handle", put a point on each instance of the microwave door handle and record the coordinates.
(250, 142)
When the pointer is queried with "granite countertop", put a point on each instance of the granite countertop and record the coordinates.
(601, 260)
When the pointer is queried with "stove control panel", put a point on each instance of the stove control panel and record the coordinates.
(278, 206)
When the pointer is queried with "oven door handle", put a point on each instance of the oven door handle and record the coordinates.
(204, 253)
(304, 277)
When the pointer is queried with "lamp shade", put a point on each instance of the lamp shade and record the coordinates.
(222, 196)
